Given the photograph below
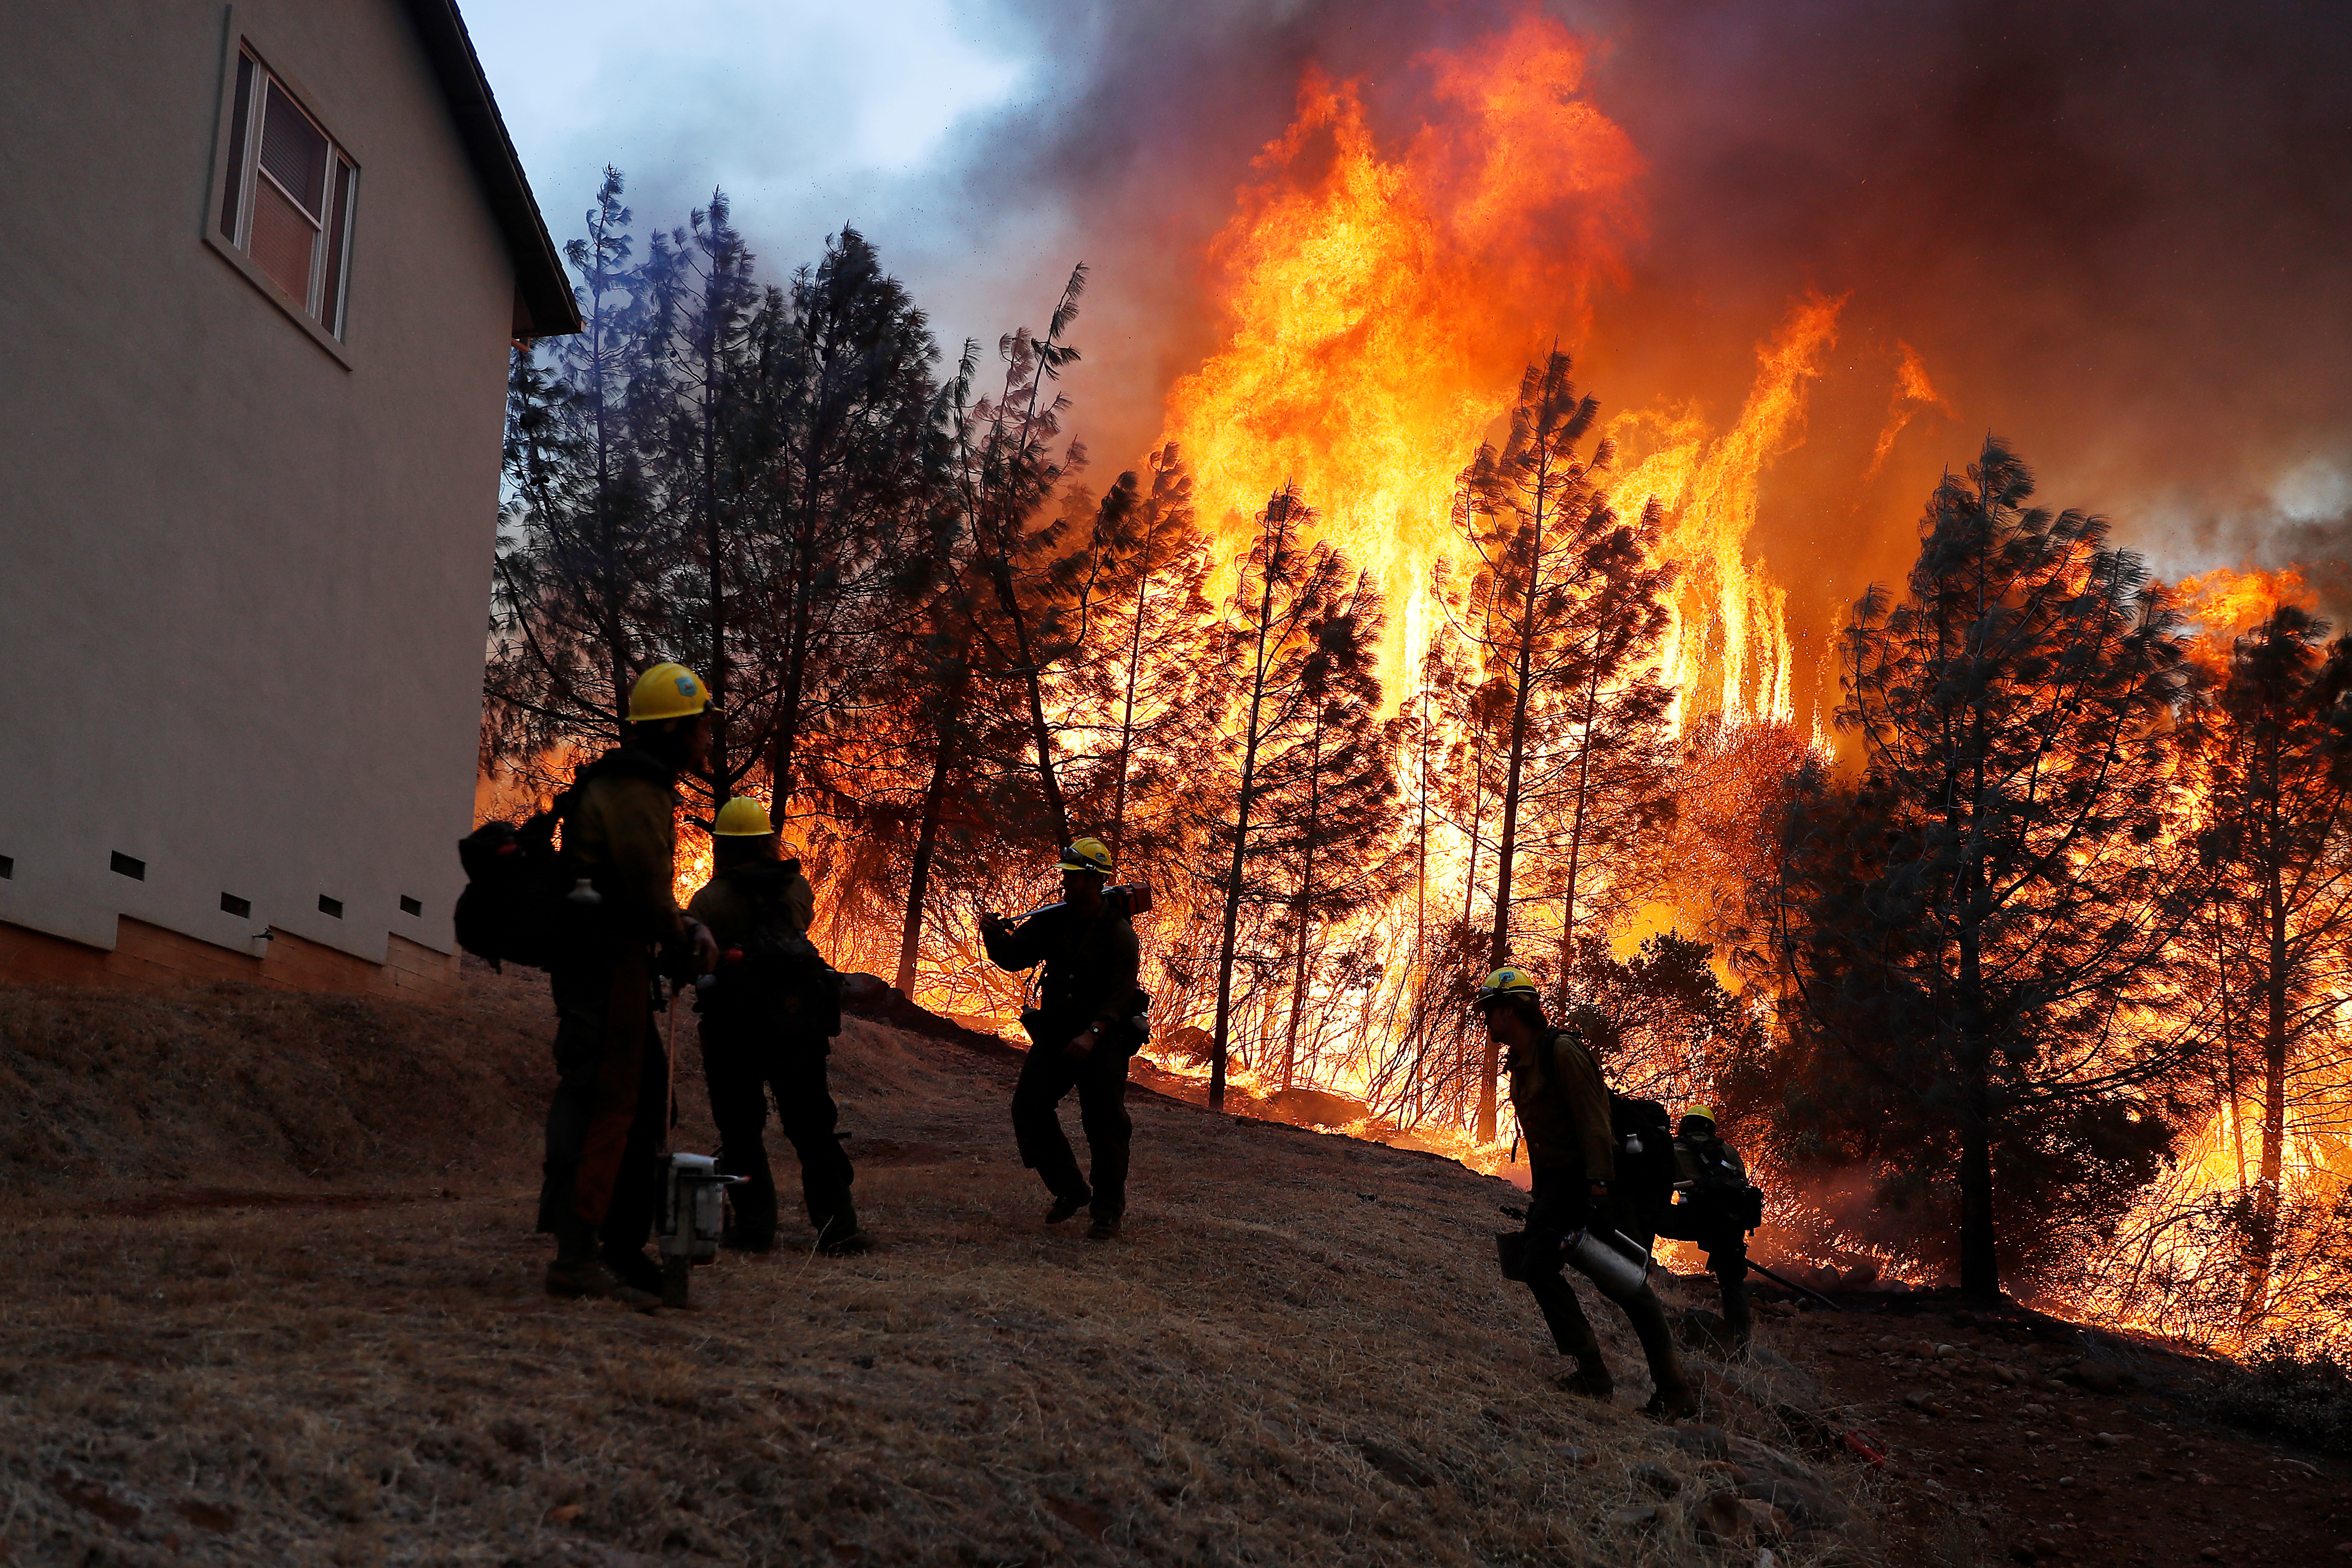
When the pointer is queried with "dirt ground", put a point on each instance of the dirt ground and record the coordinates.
(1298, 1352)
(2070, 1447)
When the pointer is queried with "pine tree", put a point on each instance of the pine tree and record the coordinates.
(708, 450)
(1408, 1082)
(2275, 753)
(1975, 940)
(1301, 627)
(577, 588)
(1562, 606)
(1008, 474)
(1327, 792)
(858, 482)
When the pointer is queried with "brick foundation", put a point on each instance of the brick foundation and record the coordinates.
(148, 957)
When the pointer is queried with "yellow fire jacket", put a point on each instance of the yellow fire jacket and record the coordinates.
(729, 911)
(622, 832)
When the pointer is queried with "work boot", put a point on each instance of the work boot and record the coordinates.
(1673, 1401)
(1739, 1322)
(751, 1224)
(1648, 1319)
(635, 1269)
(1105, 1229)
(1590, 1378)
(575, 1278)
(739, 1233)
(1064, 1207)
(841, 1237)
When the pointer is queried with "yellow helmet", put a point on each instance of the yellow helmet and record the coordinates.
(743, 818)
(1088, 854)
(667, 692)
(1704, 1113)
(1504, 982)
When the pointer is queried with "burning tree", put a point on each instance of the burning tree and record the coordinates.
(1561, 609)
(1143, 695)
(1975, 938)
(2275, 750)
(1309, 801)
(1007, 473)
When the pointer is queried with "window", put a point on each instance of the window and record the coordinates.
(286, 200)
(328, 906)
(122, 865)
(233, 905)
(409, 906)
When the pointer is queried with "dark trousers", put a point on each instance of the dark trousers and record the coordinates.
(1100, 1079)
(743, 1062)
(1557, 1207)
(1725, 1245)
(600, 1179)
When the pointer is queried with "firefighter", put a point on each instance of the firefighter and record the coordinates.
(1080, 1034)
(1563, 1111)
(602, 1182)
(1714, 1207)
(769, 1017)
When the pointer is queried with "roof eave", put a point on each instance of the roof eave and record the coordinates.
(545, 305)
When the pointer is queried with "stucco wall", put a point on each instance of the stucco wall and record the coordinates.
(242, 585)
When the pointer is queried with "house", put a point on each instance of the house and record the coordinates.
(260, 265)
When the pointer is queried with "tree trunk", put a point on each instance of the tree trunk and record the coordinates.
(1979, 1254)
(2230, 1058)
(1281, 504)
(919, 881)
(1979, 1245)
(1506, 846)
(716, 676)
(1980, 1261)
(1127, 712)
(1040, 736)
(784, 757)
(616, 645)
(1417, 1043)
(1575, 830)
(2269, 1188)
(1306, 906)
(1297, 999)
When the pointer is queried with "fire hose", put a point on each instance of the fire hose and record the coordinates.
(1793, 1285)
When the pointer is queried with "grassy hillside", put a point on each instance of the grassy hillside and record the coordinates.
(296, 1318)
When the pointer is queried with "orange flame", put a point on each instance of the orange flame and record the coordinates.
(1913, 392)
(2227, 605)
(1728, 649)
(1379, 310)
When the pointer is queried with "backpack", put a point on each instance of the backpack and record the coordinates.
(1724, 1192)
(780, 981)
(1645, 1154)
(514, 907)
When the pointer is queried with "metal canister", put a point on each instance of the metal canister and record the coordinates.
(1615, 1272)
(692, 1215)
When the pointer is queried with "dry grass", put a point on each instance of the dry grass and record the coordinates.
(1299, 1352)
(231, 1083)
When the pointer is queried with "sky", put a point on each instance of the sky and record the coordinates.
(809, 116)
(2116, 232)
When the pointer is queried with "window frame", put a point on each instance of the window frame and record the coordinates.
(238, 45)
